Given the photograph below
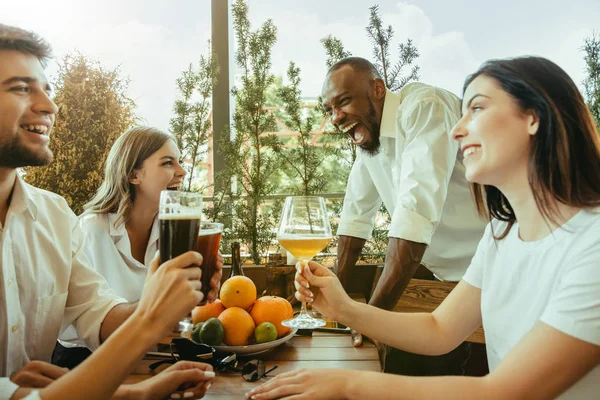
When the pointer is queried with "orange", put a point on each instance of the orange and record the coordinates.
(238, 291)
(239, 326)
(272, 309)
(207, 311)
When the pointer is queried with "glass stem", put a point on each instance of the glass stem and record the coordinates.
(303, 310)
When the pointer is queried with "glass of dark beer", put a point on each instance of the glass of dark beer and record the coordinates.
(179, 216)
(209, 239)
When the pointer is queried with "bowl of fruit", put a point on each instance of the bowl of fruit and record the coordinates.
(239, 322)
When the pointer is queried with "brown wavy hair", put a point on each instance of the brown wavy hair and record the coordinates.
(564, 161)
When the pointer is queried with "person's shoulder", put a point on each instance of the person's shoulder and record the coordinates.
(95, 223)
(585, 226)
(47, 199)
(419, 92)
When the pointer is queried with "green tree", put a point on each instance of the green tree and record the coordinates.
(591, 83)
(93, 111)
(380, 37)
(191, 125)
(250, 156)
(304, 161)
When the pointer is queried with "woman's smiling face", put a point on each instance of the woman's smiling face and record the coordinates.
(494, 133)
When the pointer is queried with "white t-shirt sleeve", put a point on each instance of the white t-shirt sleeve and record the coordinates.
(7, 388)
(474, 274)
(574, 305)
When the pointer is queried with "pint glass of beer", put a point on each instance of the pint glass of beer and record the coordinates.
(179, 217)
(209, 239)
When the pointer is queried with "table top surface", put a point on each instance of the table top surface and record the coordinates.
(321, 350)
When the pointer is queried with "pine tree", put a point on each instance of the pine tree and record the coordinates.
(393, 76)
(192, 125)
(591, 83)
(303, 161)
(250, 156)
(93, 111)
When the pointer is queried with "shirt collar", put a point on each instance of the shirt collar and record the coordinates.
(117, 231)
(388, 116)
(120, 231)
(23, 199)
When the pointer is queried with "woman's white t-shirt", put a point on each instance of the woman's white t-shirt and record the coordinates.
(555, 280)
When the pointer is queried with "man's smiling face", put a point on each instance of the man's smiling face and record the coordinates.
(354, 100)
(26, 111)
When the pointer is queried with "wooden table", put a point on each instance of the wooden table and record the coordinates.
(322, 350)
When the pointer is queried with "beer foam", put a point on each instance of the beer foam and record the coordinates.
(181, 214)
(206, 232)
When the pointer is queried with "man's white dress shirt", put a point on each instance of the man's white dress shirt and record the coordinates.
(420, 177)
(46, 283)
(109, 250)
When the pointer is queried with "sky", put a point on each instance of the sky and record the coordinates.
(153, 41)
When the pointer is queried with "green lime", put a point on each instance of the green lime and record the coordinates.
(265, 332)
(196, 332)
(212, 332)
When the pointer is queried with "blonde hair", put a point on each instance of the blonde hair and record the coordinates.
(116, 194)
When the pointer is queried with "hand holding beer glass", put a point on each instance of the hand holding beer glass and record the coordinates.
(304, 231)
(179, 216)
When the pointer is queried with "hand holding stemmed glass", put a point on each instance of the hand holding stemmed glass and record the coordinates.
(304, 230)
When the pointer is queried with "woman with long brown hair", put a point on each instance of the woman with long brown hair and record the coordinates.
(532, 153)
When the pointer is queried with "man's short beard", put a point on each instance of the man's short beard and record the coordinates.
(15, 155)
(372, 148)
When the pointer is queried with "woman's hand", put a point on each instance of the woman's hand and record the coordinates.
(171, 291)
(320, 287)
(313, 384)
(215, 281)
(175, 381)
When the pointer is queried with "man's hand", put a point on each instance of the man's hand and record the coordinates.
(215, 281)
(180, 378)
(37, 374)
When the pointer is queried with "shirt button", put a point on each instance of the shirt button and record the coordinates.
(10, 282)
(14, 328)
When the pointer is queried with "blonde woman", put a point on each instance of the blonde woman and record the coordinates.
(121, 220)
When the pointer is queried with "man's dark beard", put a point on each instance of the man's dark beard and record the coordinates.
(15, 155)
(372, 148)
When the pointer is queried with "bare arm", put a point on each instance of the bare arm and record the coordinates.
(544, 364)
(422, 333)
(401, 261)
(115, 318)
(348, 251)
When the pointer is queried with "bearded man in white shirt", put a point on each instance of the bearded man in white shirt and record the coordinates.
(46, 282)
(407, 160)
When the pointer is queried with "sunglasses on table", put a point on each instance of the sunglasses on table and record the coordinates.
(185, 349)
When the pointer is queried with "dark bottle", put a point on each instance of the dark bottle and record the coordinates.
(236, 264)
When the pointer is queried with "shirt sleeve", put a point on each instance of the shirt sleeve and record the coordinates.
(574, 305)
(7, 388)
(427, 161)
(90, 298)
(361, 202)
(474, 274)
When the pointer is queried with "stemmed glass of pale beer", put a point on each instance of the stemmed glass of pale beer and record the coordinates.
(179, 217)
(304, 231)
